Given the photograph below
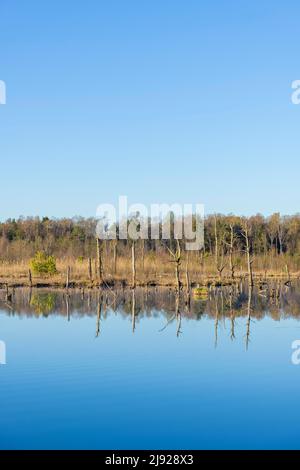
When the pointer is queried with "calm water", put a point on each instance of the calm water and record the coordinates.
(125, 372)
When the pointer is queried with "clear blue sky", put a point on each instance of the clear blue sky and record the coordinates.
(163, 101)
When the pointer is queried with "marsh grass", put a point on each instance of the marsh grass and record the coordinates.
(156, 270)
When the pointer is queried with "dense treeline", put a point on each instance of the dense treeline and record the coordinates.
(21, 238)
(75, 237)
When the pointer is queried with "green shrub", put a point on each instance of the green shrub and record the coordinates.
(43, 264)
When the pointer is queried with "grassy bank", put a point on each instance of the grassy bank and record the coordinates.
(158, 271)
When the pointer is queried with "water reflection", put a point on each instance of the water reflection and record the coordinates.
(277, 300)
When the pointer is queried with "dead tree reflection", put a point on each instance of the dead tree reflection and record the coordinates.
(67, 297)
(232, 317)
(178, 331)
(98, 322)
(177, 316)
(249, 308)
(216, 320)
(133, 310)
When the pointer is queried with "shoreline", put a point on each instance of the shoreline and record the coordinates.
(208, 281)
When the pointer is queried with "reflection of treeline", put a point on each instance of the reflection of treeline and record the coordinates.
(274, 244)
(278, 302)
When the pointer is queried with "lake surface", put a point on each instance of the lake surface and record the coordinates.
(125, 371)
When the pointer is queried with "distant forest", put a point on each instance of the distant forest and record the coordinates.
(75, 237)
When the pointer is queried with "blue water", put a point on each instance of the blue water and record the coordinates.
(65, 388)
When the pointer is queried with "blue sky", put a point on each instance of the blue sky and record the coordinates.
(162, 101)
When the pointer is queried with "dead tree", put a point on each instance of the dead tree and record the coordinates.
(216, 242)
(115, 246)
(246, 234)
(30, 278)
(231, 251)
(143, 254)
(68, 278)
(176, 255)
(90, 269)
(220, 265)
(99, 261)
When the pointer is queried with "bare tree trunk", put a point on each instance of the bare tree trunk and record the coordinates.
(219, 265)
(99, 261)
(30, 278)
(177, 276)
(216, 243)
(187, 275)
(248, 254)
(143, 255)
(177, 265)
(68, 278)
(133, 264)
(90, 269)
(115, 256)
(249, 263)
(177, 260)
(232, 267)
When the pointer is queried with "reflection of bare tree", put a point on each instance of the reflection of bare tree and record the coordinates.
(133, 310)
(188, 285)
(226, 301)
(177, 299)
(178, 332)
(232, 327)
(176, 315)
(248, 316)
(68, 305)
(168, 322)
(98, 316)
(216, 321)
(222, 308)
(232, 317)
(29, 295)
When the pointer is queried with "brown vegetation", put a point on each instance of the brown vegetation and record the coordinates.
(235, 248)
